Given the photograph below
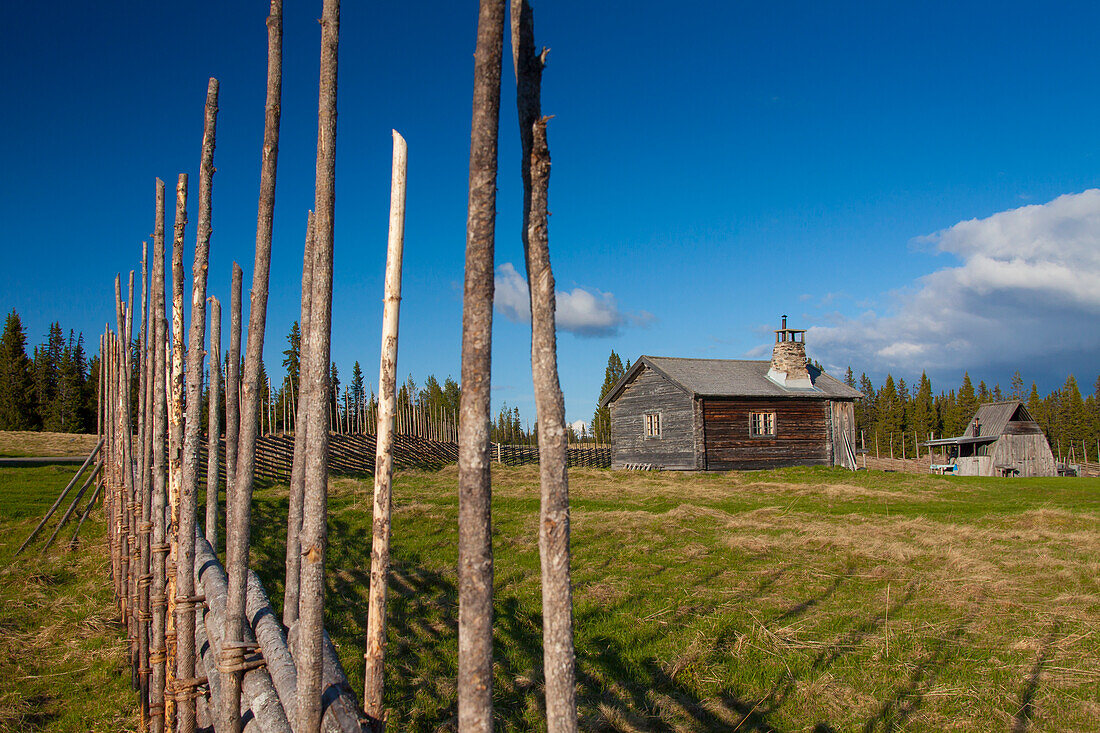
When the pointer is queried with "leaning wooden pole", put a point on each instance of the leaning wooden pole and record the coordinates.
(557, 593)
(475, 550)
(238, 504)
(314, 378)
(298, 465)
(61, 497)
(175, 446)
(159, 497)
(213, 425)
(383, 456)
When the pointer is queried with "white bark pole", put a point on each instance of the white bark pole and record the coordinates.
(383, 460)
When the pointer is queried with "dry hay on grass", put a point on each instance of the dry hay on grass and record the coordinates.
(19, 443)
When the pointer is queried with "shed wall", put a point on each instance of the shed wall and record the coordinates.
(802, 434)
(650, 392)
(1029, 454)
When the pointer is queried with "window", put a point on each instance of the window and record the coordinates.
(762, 424)
(653, 425)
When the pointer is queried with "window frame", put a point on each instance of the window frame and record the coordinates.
(657, 421)
(767, 416)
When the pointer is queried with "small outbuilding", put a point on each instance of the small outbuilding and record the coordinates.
(730, 414)
(1002, 439)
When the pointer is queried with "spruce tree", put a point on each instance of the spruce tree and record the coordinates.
(16, 383)
(967, 403)
(924, 409)
(890, 413)
(865, 407)
(355, 389)
(47, 375)
(984, 395)
(601, 418)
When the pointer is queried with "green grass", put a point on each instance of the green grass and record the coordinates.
(704, 603)
(801, 599)
(63, 663)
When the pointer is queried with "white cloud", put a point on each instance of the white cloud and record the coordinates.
(1027, 287)
(578, 311)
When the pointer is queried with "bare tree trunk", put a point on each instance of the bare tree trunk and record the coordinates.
(475, 550)
(175, 447)
(557, 594)
(214, 428)
(233, 385)
(298, 466)
(159, 547)
(314, 379)
(192, 426)
(239, 505)
(383, 460)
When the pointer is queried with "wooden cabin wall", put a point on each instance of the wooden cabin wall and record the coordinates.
(802, 434)
(1028, 453)
(650, 392)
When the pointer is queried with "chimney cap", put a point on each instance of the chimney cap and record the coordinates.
(789, 334)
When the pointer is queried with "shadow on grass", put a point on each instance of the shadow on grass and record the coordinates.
(618, 687)
(1022, 721)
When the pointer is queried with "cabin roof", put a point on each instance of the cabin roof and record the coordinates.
(731, 378)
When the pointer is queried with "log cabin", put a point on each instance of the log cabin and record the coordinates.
(673, 413)
(1002, 439)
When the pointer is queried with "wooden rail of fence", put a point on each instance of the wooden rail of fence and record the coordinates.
(352, 454)
(579, 455)
(348, 454)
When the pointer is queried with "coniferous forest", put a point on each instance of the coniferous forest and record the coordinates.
(53, 388)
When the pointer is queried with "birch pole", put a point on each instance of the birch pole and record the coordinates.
(159, 546)
(143, 488)
(557, 594)
(298, 467)
(475, 550)
(214, 427)
(383, 457)
(233, 384)
(314, 378)
(192, 427)
(238, 505)
(175, 444)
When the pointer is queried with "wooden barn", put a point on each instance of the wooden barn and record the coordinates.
(1002, 439)
(725, 414)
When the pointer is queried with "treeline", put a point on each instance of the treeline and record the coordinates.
(54, 388)
(895, 409)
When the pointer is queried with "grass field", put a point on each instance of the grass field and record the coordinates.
(795, 600)
(23, 443)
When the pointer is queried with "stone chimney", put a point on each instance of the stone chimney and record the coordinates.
(788, 367)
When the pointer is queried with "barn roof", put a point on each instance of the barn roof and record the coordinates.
(994, 416)
(731, 378)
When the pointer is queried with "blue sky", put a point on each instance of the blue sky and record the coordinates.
(715, 165)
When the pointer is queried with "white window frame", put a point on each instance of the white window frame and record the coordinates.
(651, 425)
(763, 420)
